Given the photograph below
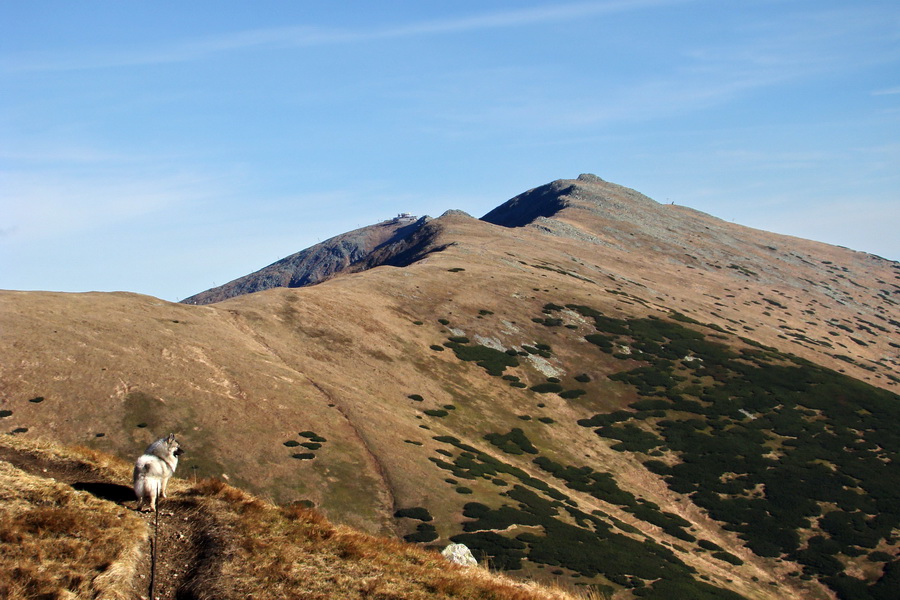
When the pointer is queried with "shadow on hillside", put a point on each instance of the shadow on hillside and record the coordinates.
(107, 491)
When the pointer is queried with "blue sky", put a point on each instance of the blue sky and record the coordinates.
(166, 147)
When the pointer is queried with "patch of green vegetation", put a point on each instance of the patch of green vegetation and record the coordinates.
(707, 545)
(493, 361)
(37, 400)
(304, 456)
(546, 388)
(728, 557)
(677, 316)
(292, 443)
(583, 378)
(549, 321)
(604, 342)
(603, 487)
(436, 412)
(5, 413)
(742, 270)
(514, 442)
(418, 512)
(631, 438)
(437, 348)
(456, 270)
(443, 321)
(416, 397)
(425, 532)
(572, 394)
(601, 322)
(567, 537)
(311, 445)
(588, 546)
(769, 444)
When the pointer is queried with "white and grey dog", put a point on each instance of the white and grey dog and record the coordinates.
(153, 469)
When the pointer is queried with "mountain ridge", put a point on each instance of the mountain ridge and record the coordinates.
(387, 242)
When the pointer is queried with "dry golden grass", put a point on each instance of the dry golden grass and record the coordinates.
(59, 543)
(278, 552)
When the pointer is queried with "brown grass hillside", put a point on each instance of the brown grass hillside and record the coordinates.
(67, 531)
(349, 394)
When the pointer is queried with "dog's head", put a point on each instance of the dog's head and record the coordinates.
(164, 448)
(173, 446)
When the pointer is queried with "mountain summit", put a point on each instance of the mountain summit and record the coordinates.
(587, 192)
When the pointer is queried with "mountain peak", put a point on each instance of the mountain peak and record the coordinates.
(589, 178)
(588, 192)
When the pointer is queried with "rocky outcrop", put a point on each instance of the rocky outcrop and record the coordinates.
(459, 554)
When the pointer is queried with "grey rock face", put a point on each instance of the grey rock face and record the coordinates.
(396, 242)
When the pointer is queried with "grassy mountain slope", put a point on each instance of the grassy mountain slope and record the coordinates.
(65, 533)
(615, 392)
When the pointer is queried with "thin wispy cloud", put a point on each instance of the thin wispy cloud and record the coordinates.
(35, 207)
(523, 17)
(305, 36)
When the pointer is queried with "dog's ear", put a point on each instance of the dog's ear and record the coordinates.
(171, 438)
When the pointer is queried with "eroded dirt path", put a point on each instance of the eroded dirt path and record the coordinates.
(184, 538)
